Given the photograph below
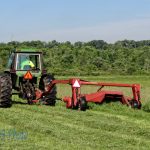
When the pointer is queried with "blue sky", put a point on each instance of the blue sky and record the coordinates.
(74, 20)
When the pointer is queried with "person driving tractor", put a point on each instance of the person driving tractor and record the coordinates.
(27, 64)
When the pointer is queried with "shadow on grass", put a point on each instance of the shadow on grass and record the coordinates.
(19, 102)
(26, 103)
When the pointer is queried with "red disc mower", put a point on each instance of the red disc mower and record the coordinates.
(79, 100)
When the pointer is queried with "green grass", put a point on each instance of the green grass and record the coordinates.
(107, 126)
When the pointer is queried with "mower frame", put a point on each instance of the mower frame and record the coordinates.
(79, 101)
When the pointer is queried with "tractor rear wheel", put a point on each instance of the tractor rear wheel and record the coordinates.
(5, 90)
(49, 98)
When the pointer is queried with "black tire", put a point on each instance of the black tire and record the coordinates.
(135, 104)
(82, 104)
(49, 98)
(5, 90)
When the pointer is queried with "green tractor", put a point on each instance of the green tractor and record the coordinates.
(25, 74)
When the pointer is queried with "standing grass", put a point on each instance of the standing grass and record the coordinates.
(106, 126)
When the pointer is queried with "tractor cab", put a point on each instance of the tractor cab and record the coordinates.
(26, 61)
(21, 61)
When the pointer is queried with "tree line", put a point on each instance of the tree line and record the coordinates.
(95, 57)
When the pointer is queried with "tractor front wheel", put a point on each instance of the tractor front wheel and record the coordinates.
(5, 90)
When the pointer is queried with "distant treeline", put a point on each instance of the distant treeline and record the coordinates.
(88, 58)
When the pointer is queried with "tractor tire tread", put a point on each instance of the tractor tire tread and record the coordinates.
(5, 90)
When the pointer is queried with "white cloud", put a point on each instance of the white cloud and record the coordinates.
(110, 32)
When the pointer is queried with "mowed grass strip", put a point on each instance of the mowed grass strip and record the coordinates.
(106, 126)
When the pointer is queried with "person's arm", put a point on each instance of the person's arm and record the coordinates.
(31, 64)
